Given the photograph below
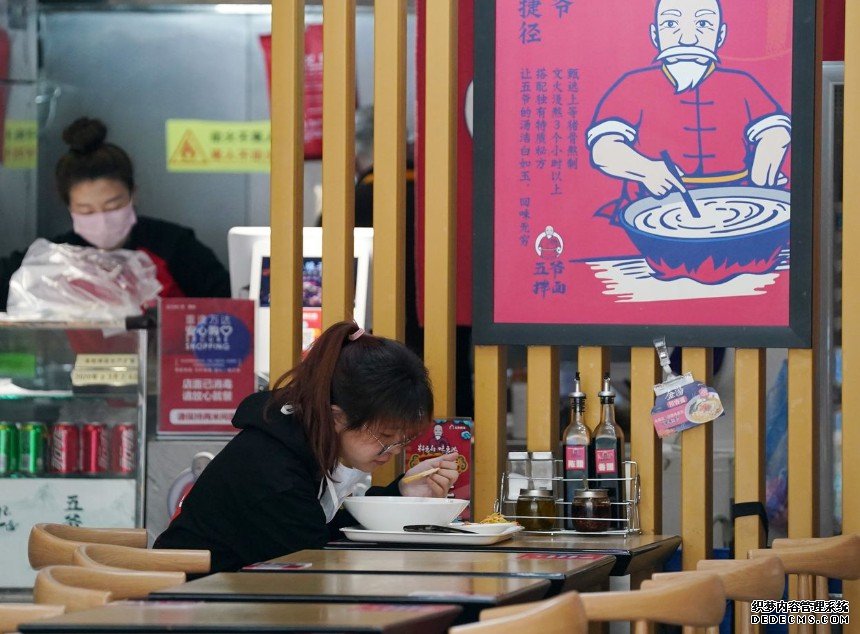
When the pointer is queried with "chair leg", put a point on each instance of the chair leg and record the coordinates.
(642, 627)
(742, 618)
(805, 592)
(822, 593)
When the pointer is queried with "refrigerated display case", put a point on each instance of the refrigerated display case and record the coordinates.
(72, 425)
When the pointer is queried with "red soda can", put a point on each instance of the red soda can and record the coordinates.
(65, 447)
(124, 449)
(95, 453)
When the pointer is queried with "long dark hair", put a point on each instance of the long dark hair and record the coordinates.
(374, 380)
(90, 158)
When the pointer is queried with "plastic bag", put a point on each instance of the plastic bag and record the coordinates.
(65, 282)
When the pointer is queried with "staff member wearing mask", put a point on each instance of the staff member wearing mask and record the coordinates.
(348, 408)
(95, 179)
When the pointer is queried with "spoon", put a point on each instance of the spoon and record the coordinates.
(685, 195)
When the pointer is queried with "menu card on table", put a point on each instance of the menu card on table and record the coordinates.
(447, 435)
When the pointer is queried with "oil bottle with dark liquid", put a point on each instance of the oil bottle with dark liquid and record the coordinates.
(576, 450)
(608, 451)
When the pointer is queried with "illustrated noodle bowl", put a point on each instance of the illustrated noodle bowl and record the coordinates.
(741, 230)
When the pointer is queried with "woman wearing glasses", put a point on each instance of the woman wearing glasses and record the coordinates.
(348, 408)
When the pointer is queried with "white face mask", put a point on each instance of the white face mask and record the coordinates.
(105, 229)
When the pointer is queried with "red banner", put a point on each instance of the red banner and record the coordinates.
(207, 363)
(313, 85)
(465, 70)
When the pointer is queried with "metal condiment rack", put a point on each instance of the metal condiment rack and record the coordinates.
(506, 503)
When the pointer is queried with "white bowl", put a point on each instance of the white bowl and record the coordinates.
(391, 513)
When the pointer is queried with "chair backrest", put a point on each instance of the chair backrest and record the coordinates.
(788, 542)
(695, 601)
(48, 590)
(563, 614)
(13, 614)
(110, 556)
(835, 558)
(53, 544)
(111, 583)
(743, 579)
(821, 590)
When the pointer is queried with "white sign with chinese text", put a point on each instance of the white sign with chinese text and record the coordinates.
(106, 503)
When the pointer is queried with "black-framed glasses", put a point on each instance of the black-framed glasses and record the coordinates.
(386, 448)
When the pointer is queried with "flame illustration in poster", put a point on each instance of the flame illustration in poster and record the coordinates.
(642, 161)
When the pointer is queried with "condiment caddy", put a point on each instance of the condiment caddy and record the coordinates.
(591, 490)
(544, 509)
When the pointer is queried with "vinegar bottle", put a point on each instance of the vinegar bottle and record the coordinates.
(608, 450)
(576, 449)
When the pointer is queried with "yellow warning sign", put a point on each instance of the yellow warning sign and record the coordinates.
(194, 145)
(20, 144)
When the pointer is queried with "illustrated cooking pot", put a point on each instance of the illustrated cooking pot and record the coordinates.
(740, 230)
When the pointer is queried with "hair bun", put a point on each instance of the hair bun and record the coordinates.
(85, 135)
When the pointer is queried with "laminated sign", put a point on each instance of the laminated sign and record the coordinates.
(207, 363)
(682, 402)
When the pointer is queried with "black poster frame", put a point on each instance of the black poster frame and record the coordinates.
(805, 102)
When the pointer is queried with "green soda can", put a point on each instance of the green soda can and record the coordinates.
(31, 448)
(8, 449)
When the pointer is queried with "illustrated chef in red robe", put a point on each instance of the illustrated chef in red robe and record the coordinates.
(719, 125)
(549, 244)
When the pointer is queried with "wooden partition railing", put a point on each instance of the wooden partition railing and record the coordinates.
(490, 361)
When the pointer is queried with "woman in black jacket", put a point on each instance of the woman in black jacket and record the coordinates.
(352, 404)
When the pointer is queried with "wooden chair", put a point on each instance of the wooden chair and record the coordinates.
(814, 561)
(826, 557)
(80, 588)
(822, 592)
(13, 614)
(696, 601)
(54, 544)
(122, 557)
(563, 614)
(744, 580)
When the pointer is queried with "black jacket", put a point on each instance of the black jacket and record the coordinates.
(258, 498)
(193, 265)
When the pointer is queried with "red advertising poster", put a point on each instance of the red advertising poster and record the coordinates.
(649, 175)
(465, 69)
(313, 90)
(207, 363)
(313, 85)
(447, 436)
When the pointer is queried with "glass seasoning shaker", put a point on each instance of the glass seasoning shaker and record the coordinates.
(518, 474)
(542, 465)
(591, 509)
(536, 509)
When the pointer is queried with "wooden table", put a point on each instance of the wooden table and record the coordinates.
(565, 571)
(635, 555)
(471, 593)
(178, 616)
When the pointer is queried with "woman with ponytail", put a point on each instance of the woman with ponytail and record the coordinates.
(348, 408)
(95, 180)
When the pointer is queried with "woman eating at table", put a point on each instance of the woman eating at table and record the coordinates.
(348, 408)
